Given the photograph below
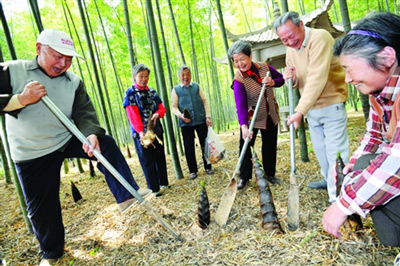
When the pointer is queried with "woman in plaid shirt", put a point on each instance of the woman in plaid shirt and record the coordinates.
(370, 54)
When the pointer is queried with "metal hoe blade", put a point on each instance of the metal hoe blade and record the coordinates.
(227, 199)
(293, 196)
(101, 159)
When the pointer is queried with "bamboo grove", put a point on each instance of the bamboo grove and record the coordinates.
(114, 35)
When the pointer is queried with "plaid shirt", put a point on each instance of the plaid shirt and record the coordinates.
(363, 190)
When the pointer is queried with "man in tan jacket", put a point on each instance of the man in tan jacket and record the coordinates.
(320, 78)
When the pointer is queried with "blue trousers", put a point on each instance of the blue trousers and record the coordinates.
(40, 182)
(269, 138)
(154, 165)
(188, 142)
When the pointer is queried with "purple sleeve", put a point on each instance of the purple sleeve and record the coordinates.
(241, 102)
(276, 76)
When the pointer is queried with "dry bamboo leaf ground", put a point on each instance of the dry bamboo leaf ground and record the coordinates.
(97, 234)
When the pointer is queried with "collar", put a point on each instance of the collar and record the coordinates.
(190, 85)
(306, 38)
(33, 65)
(254, 67)
(391, 89)
(141, 88)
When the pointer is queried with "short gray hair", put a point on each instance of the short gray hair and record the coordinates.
(183, 67)
(291, 15)
(240, 46)
(139, 68)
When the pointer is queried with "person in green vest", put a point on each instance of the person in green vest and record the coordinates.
(39, 142)
(188, 97)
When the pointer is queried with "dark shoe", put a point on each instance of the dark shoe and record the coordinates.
(242, 183)
(193, 176)
(210, 172)
(318, 184)
(157, 194)
(272, 179)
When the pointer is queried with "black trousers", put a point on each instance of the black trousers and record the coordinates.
(386, 218)
(153, 162)
(269, 139)
(188, 142)
(40, 182)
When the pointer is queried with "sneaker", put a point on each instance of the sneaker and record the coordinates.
(396, 261)
(144, 192)
(157, 194)
(318, 184)
(210, 172)
(126, 205)
(193, 176)
(47, 262)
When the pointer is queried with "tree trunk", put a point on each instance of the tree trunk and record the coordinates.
(21, 198)
(132, 56)
(194, 59)
(170, 83)
(66, 167)
(344, 12)
(176, 32)
(94, 68)
(4, 164)
(222, 26)
(301, 131)
(365, 105)
(36, 14)
(107, 98)
(284, 6)
(79, 163)
(160, 73)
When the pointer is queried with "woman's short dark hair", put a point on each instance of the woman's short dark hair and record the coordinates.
(139, 68)
(240, 46)
(369, 37)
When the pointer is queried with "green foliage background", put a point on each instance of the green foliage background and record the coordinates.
(240, 17)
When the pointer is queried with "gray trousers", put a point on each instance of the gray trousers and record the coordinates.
(386, 218)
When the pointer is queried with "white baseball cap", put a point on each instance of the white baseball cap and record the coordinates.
(59, 41)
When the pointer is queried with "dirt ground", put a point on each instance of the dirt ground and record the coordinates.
(97, 234)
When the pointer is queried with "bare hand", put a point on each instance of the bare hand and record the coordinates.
(333, 219)
(245, 132)
(155, 117)
(208, 122)
(347, 169)
(94, 145)
(295, 119)
(32, 93)
(186, 120)
(290, 72)
(268, 81)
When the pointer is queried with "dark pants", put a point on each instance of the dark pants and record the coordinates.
(386, 218)
(188, 142)
(153, 164)
(40, 182)
(269, 139)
